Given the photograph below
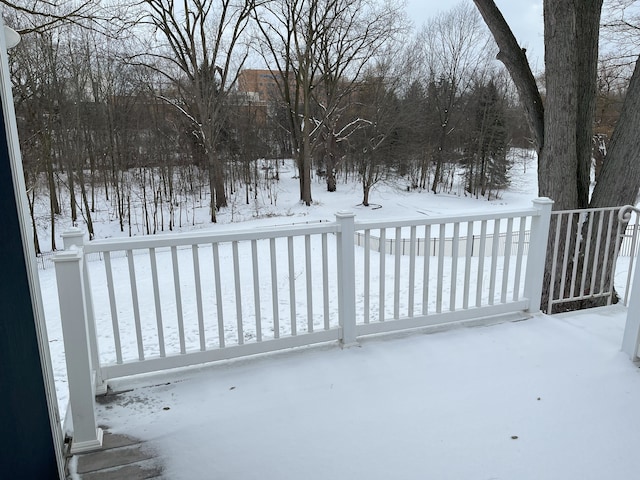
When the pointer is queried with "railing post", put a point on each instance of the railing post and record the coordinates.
(75, 237)
(69, 275)
(631, 336)
(536, 257)
(346, 277)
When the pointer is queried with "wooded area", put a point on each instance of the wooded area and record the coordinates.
(155, 112)
(144, 102)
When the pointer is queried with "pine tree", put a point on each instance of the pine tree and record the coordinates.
(485, 160)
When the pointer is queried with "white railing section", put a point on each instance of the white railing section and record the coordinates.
(184, 299)
(452, 284)
(628, 217)
(200, 297)
(45, 259)
(628, 243)
(585, 248)
(431, 246)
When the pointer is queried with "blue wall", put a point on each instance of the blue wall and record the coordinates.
(27, 448)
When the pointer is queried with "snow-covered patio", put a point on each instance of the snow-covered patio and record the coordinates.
(545, 398)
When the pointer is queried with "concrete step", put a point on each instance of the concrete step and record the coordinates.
(121, 457)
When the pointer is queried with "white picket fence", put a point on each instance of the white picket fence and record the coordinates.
(184, 299)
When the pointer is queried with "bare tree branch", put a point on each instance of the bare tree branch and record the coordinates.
(109, 17)
(515, 60)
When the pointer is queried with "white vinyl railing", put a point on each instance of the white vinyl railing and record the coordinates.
(431, 246)
(585, 246)
(628, 243)
(628, 247)
(169, 301)
(629, 219)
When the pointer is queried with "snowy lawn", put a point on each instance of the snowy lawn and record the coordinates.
(546, 398)
(394, 201)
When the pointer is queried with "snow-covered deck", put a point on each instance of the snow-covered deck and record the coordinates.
(549, 397)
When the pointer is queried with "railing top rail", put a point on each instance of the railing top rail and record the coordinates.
(197, 238)
(203, 237)
(624, 215)
(585, 210)
(442, 219)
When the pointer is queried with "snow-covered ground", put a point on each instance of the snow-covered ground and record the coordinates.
(546, 398)
(551, 397)
(390, 201)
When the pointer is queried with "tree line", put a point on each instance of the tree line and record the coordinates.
(148, 109)
(161, 116)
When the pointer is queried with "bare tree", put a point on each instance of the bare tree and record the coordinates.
(29, 16)
(37, 88)
(319, 49)
(456, 49)
(360, 31)
(291, 30)
(372, 145)
(203, 55)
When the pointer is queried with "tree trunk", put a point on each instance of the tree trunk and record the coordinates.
(51, 183)
(564, 139)
(53, 224)
(218, 176)
(587, 37)
(557, 165)
(212, 202)
(72, 191)
(85, 201)
(305, 161)
(331, 160)
(365, 194)
(31, 200)
(619, 179)
(438, 172)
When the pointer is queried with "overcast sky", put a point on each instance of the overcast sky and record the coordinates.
(524, 17)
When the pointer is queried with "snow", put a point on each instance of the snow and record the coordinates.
(550, 397)
(391, 201)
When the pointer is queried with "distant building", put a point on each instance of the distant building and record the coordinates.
(259, 85)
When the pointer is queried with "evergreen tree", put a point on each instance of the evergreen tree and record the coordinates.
(485, 160)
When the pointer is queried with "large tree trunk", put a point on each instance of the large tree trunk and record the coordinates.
(564, 140)
(557, 165)
(619, 179)
(587, 36)
(571, 51)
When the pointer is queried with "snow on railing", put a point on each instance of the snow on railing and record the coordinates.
(185, 299)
